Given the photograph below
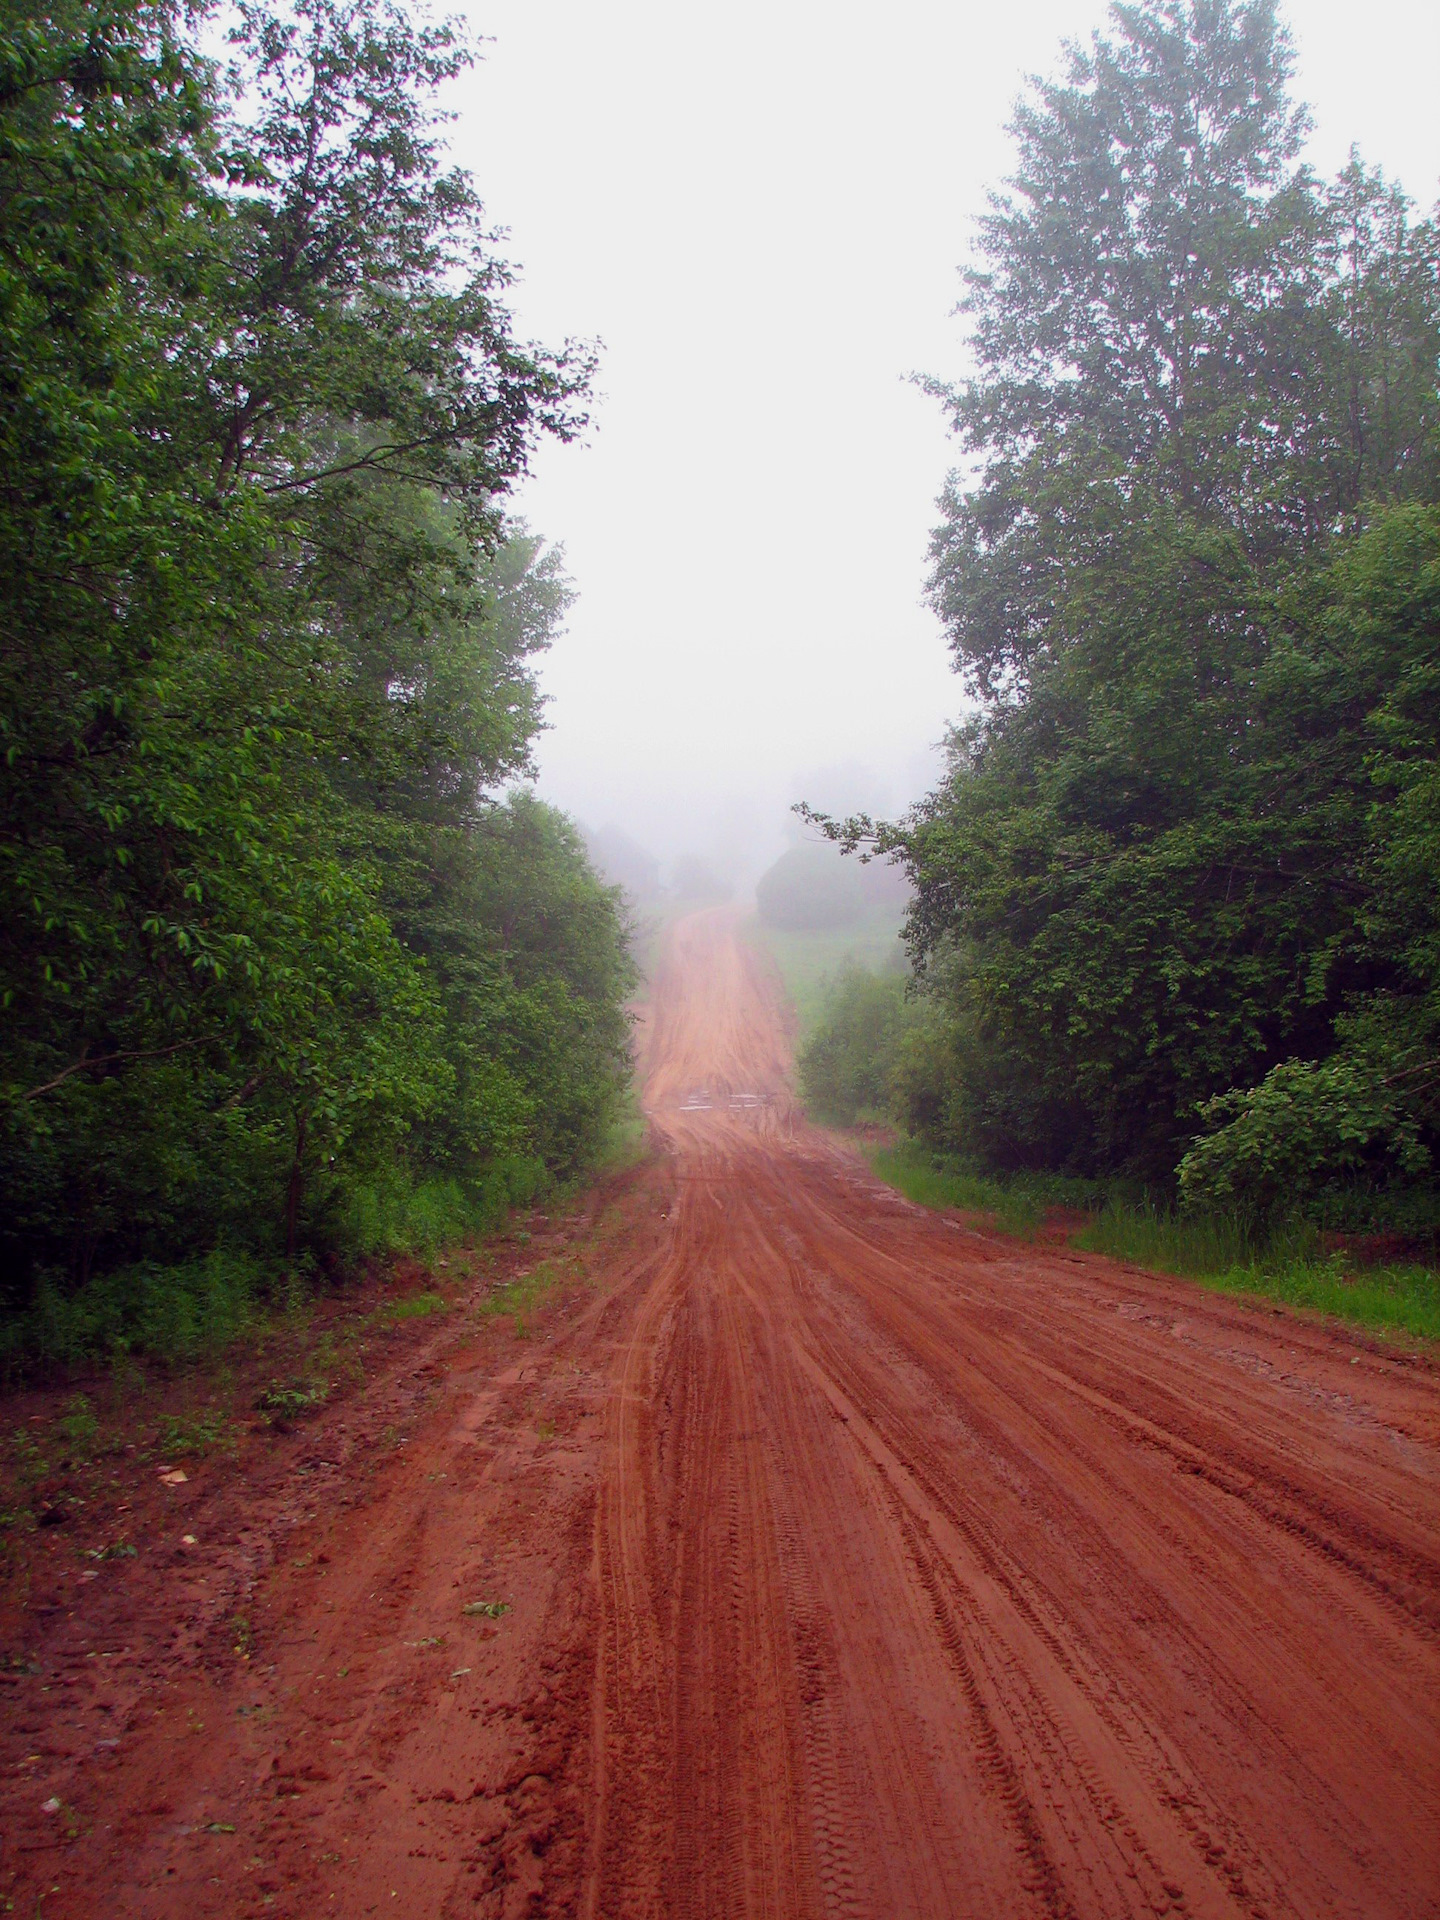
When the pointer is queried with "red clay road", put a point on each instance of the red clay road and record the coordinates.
(858, 1563)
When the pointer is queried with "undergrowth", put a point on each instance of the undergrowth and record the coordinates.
(183, 1312)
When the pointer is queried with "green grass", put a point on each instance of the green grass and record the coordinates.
(417, 1306)
(522, 1295)
(1289, 1265)
(195, 1432)
(809, 962)
(1016, 1205)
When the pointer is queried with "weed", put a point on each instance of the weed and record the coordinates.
(78, 1426)
(190, 1433)
(1015, 1205)
(522, 1295)
(179, 1312)
(1287, 1264)
(396, 1213)
(416, 1306)
(292, 1402)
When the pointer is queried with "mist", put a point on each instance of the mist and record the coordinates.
(759, 214)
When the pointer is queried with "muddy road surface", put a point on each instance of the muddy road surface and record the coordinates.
(810, 1555)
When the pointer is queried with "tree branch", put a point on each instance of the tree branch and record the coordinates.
(110, 1059)
(373, 458)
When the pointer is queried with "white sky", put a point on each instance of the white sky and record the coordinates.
(759, 210)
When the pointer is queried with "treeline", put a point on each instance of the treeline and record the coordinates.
(281, 976)
(1177, 898)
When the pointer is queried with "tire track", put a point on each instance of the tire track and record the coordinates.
(984, 1596)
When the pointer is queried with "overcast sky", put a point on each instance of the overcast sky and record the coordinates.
(759, 210)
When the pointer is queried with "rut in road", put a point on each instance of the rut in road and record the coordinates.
(834, 1561)
(941, 1575)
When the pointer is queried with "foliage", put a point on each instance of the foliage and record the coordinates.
(265, 643)
(1185, 848)
(1306, 1122)
(847, 1065)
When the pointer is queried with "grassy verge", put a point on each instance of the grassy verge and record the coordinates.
(1017, 1205)
(1290, 1266)
(809, 962)
(526, 1293)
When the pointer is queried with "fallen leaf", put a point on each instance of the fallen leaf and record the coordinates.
(173, 1476)
(52, 1805)
(188, 1540)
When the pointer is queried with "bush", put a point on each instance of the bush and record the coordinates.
(1305, 1127)
(847, 1067)
(175, 1312)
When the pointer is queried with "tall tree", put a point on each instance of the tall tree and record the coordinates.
(1199, 375)
(265, 636)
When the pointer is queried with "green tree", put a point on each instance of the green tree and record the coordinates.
(1150, 874)
(265, 633)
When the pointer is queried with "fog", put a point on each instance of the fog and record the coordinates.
(759, 210)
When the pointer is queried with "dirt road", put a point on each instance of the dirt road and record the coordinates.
(855, 1563)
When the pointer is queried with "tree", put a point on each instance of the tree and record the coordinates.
(1202, 377)
(265, 632)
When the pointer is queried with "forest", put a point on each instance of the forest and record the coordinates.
(292, 972)
(1176, 900)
